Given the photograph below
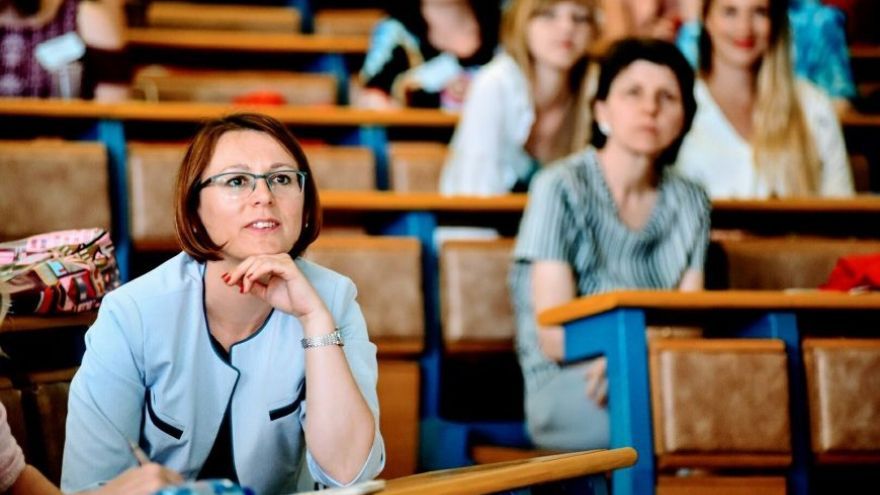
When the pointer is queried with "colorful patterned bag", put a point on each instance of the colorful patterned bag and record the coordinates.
(67, 271)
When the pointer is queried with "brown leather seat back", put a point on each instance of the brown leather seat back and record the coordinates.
(50, 185)
(415, 166)
(474, 298)
(785, 262)
(347, 22)
(157, 83)
(343, 168)
(152, 172)
(861, 171)
(200, 15)
(719, 396)
(387, 272)
(843, 385)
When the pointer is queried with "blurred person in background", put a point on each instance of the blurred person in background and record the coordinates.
(818, 42)
(641, 18)
(529, 105)
(759, 131)
(95, 27)
(425, 52)
(613, 216)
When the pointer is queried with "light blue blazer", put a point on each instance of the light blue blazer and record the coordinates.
(150, 374)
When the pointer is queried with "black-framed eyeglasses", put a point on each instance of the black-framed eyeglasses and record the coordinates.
(238, 185)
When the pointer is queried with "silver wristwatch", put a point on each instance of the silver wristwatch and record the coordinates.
(333, 338)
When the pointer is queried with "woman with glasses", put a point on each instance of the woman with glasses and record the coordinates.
(209, 360)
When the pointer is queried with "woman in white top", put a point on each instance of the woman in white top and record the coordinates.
(529, 104)
(758, 132)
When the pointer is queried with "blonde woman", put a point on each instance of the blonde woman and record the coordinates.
(528, 106)
(758, 131)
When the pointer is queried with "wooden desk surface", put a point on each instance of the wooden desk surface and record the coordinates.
(859, 204)
(245, 41)
(512, 203)
(390, 201)
(491, 478)
(855, 119)
(15, 323)
(864, 51)
(196, 112)
(708, 300)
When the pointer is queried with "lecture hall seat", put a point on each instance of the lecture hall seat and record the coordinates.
(388, 274)
(159, 83)
(261, 18)
(51, 184)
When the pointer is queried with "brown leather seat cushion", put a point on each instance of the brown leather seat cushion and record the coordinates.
(347, 22)
(474, 297)
(388, 275)
(786, 262)
(719, 396)
(50, 185)
(152, 172)
(843, 383)
(342, 168)
(231, 17)
(415, 166)
(156, 83)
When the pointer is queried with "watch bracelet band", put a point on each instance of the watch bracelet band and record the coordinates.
(332, 338)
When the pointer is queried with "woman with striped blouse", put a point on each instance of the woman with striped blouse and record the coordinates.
(612, 216)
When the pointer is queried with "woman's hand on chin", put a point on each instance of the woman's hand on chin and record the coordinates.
(276, 279)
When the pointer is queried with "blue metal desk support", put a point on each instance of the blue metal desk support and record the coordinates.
(334, 63)
(443, 444)
(306, 14)
(783, 326)
(112, 134)
(376, 138)
(620, 336)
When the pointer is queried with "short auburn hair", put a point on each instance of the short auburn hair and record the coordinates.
(188, 225)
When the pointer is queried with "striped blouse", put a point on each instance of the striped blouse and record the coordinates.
(572, 217)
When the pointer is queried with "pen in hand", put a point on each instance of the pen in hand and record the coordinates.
(138, 453)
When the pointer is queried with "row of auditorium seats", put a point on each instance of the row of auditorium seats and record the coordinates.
(75, 175)
(388, 272)
(66, 171)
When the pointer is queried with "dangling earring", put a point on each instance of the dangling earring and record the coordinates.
(604, 128)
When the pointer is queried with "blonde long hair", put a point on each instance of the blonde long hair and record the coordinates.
(782, 145)
(575, 133)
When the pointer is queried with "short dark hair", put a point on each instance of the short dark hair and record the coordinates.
(189, 227)
(621, 55)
